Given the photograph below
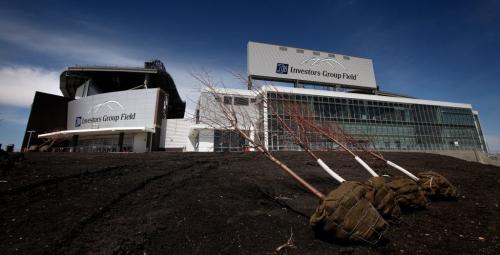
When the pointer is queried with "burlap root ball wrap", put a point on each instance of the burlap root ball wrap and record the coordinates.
(436, 185)
(408, 193)
(347, 215)
(382, 197)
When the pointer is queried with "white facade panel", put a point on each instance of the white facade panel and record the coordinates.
(130, 108)
(140, 142)
(206, 140)
(177, 134)
(210, 111)
(266, 60)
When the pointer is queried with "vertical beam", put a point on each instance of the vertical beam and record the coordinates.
(250, 87)
(148, 142)
(146, 80)
(120, 141)
(265, 125)
(74, 143)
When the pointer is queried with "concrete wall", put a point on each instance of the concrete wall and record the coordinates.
(474, 156)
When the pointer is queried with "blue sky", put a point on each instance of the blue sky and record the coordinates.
(440, 50)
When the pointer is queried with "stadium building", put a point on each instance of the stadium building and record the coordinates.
(139, 109)
(342, 89)
(105, 108)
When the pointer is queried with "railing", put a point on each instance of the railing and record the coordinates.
(494, 156)
(111, 66)
(93, 148)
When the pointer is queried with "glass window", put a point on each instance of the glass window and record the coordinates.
(390, 125)
(241, 101)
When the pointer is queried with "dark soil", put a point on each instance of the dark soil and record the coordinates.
(209, 203)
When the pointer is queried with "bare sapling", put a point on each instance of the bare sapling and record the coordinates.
(306, 120)
(433, 184)
(226, 116)
(343, 214)
(300, 134)
(407, 192)
(382, 197)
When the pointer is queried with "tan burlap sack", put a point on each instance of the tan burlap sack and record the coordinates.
(347, 215)
(435, 185)
(382, 197)
(408, 193)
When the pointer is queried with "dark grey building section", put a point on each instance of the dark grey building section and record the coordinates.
(48, 114)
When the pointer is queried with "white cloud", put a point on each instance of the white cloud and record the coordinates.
(70, 48)
(18, 84)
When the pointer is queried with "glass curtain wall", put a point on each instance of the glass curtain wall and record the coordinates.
(105, 143)
(480, 133)
(226, 140)
(388, 125)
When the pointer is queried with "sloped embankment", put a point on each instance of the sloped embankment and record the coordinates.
(207, 203)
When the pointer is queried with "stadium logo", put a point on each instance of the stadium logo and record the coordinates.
(316, 61)
(109, 104)
(78, 121)
(282, 68)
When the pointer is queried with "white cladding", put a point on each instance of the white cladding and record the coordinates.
(266, 60)
(206, 140)
(210, 111)
(177, 134)
(130, 108)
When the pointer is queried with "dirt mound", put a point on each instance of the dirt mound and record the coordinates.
(213, 203)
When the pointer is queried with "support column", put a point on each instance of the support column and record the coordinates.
(249, 82)
(120, 142)
(148, 141)
(146, 80)
(74, 143)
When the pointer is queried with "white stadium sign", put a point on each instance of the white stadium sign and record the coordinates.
(130, 108)
(293, 64)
